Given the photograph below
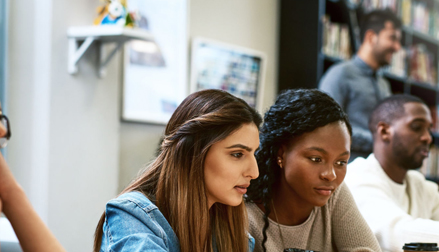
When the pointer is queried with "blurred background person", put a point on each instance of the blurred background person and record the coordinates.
(355, 84)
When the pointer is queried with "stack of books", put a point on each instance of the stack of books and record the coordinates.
(422, 65)
(336, 41)
(424, 19)
(370, 5)
(430, 166)
(398, 65)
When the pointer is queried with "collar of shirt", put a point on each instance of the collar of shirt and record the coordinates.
(365, 68)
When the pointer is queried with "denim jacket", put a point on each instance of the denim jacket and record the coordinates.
(133, 223)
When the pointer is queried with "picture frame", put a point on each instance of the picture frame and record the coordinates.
(235, 69)
(155, 72)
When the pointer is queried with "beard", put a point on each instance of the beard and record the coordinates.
(380, 56)
(402, 156)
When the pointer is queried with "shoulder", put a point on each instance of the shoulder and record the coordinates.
(134, 212)
(363, 172)
(132, 203)
(416, 179)
(340, 194)
(344, 68)
(133, 199)
(255, 214)
(338, 76)
(134, 223)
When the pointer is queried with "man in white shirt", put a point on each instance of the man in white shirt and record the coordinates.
(397, 202)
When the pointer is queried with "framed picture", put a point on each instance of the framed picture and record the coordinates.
(237, 70)
(155, 72)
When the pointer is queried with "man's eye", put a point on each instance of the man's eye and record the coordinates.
(315, 159)
(237, 155)
(416, 127)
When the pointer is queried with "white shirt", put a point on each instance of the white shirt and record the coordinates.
(396, 213)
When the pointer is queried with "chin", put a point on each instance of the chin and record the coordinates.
(320, 203)
(233, 202)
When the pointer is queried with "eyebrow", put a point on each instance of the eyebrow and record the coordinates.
(240, 146)
(325, 152)
(421, 120)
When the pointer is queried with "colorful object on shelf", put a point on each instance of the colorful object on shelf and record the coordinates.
(116, 14)
(113, 13)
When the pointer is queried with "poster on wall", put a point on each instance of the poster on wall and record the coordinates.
(237, 70)
(155, 72)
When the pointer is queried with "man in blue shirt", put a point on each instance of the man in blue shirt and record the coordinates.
(355, 85)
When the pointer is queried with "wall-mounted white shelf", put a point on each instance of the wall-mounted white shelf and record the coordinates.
(101, 34)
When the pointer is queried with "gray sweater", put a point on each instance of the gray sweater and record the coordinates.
(358, 89)
(337, 226)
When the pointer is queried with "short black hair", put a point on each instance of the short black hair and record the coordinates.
(390, 109)
(375, 20)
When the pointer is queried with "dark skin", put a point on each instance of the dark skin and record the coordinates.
(377, 48)
(312, 167)
(403, 144)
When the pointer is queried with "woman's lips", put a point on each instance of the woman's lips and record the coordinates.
(242, 188)
(325, 191)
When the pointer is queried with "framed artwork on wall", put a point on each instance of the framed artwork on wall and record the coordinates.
(155, 72)
(237, 70)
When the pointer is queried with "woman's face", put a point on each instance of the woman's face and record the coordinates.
(314, 164)
(230, 165)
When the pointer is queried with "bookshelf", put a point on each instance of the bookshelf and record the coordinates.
(306, 50)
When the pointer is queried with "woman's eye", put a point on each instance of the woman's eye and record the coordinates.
(341, 163)
(237, 155)
(316, 159)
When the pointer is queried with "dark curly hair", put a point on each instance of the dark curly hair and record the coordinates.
(294, 113)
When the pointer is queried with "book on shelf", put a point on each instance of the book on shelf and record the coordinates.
(420, 15)
(424, 18)
(336, 42)
(369, 5)
(422, 67)
(406, 12)
(429, 167)
(398, 64)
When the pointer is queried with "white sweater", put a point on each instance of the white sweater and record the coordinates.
(396, 213)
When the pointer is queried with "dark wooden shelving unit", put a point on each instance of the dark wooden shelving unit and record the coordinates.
(302, 62)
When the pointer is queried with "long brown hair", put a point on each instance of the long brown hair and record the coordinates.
(176, 177)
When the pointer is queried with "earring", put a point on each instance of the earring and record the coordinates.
(279, 162)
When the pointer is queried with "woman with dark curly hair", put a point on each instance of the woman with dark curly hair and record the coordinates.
(299, 199)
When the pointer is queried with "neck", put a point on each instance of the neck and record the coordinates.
(365, 54)
(289, 210)
(390, 167)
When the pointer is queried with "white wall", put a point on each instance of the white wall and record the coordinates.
(247, 23)
(65, 144)
(69, 149)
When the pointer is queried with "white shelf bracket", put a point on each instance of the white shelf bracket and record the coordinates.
(102, 34)
(104, 59)
(75, 52)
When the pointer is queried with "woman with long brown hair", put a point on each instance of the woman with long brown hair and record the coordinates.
(190, 197)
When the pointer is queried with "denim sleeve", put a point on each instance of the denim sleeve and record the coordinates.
(251, 243)
(128, 227)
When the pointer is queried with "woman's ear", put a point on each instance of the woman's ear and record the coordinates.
(280, 156)
(384, 132)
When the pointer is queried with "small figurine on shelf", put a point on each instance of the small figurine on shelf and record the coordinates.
(113, 13)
